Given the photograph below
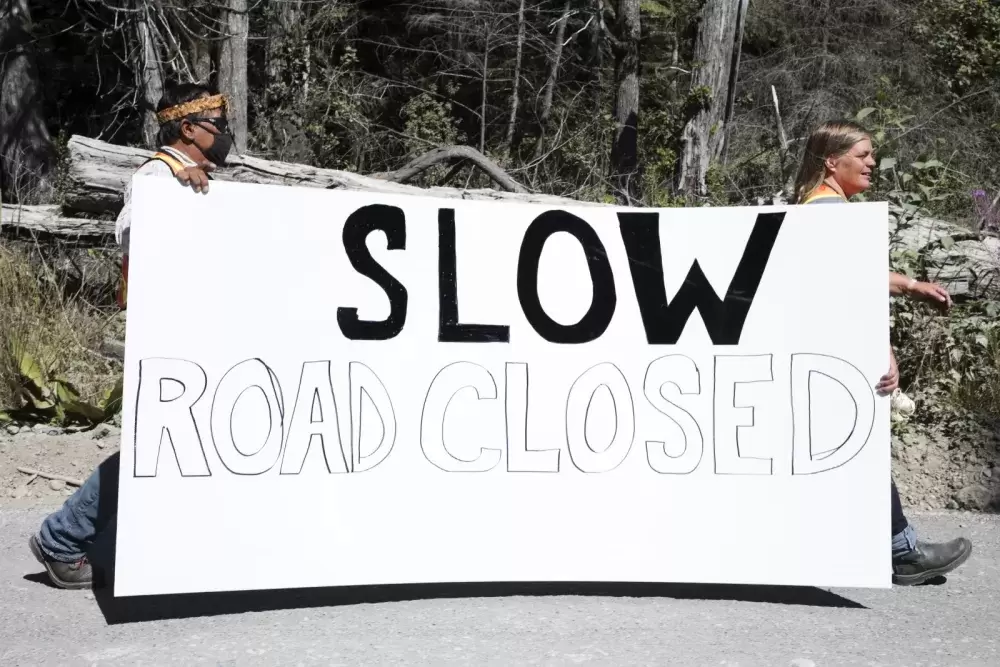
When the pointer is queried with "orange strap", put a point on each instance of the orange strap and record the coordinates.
(172, 162)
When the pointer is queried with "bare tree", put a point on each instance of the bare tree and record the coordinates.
(233, 68)
(26, 150)
(702, 138)
(734, 74)
(625, 147)
(550, 81)
(517, 76)
(149, 71)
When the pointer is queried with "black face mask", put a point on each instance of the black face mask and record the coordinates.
(219, 150)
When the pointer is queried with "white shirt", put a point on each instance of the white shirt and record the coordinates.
(152, 168)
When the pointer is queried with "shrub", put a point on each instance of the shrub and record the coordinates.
(50, 365)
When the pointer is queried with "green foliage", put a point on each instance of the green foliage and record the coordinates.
(50, 397)
(428, 123)
(949, 364)
(964, 39)
(927, 183)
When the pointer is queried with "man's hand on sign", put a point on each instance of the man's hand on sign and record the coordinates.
(196, 176)
(890, 381)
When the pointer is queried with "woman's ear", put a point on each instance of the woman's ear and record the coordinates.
(830, 163)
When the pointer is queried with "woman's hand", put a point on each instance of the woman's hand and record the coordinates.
(890, 381)
(930, 292)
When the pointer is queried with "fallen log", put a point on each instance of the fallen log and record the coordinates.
(48, 221)
(98, 172)
(964, 261)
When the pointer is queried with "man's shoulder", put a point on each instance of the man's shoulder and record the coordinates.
(154, 166)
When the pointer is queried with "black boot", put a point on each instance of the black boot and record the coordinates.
(929, 560)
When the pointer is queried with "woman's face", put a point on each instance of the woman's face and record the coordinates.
(853, 170)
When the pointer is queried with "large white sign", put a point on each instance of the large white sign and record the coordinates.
(334, 388)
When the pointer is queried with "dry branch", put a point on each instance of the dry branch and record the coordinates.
(448, 154)
(48, 475)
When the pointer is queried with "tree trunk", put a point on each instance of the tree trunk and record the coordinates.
(27, 154)
(734, 75)
(285, 19)
(702, 138)
(150, 75)
(598, 32)
(200, 56)
(233, 68)
(512, 122)
(482, 107)
(625, 148)
(550, 82)
(825, 48)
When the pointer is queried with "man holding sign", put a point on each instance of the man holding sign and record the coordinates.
(193, 140)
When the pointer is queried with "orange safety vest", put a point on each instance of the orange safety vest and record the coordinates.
(175, 166)
(824, 191)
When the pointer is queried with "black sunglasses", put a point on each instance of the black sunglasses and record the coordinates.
(220, 124)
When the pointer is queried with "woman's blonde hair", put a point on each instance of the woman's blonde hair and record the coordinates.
(831, 139)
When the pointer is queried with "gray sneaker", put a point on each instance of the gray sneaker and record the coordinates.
(63, 575)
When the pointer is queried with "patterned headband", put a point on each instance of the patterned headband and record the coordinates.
(194, 106)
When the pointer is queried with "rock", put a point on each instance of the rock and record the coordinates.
(987, 472)
(57, 484)
(20, 492)
(973, 497)
(934, 463)
(13, 429)
(102, 433)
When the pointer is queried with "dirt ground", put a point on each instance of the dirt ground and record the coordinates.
(49, 450)
(931, 474)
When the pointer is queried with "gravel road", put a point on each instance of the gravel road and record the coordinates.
(954, 623)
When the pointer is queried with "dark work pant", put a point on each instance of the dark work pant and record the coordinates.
(899, 522)
(904, 538)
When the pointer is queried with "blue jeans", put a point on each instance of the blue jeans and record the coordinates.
(68, 533)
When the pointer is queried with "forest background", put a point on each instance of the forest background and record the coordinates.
(641, 102)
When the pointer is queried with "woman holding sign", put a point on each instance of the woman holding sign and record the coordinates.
(838, 163)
